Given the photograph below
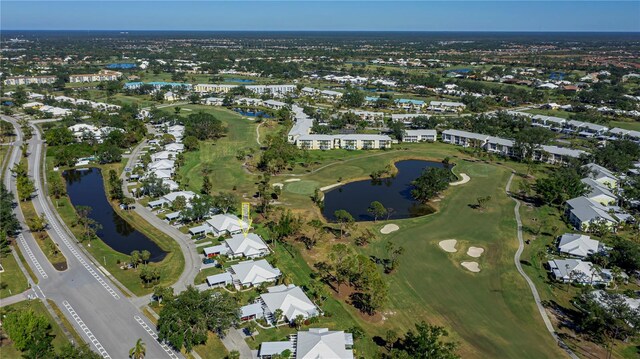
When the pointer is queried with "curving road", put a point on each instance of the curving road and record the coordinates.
(98, 310)
(532, 287)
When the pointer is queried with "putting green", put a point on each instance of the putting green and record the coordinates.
(302, 187)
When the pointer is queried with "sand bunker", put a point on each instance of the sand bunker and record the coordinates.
(448, 245)
(471, 266)
(464, 180)
(278, 185)
(475, 252)
(388, 228)
(293, 180)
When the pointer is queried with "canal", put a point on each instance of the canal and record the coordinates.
(85, 187)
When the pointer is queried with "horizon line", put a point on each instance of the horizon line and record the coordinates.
(342, 30)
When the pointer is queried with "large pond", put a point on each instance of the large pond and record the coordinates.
(85, 188)
(394, 193)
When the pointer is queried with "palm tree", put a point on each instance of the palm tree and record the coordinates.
(234, 354)
(138, 351)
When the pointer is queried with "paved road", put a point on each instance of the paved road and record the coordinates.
(532, 287)
(97, 309)
(187, 245)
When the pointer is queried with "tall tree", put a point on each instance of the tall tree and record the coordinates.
(139, 350)
(377, 210)
(344, 218)
(426, 343)
(430, 183)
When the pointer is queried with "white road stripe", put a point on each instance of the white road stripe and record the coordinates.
(153, 334)
(86, 331)
(32, 257)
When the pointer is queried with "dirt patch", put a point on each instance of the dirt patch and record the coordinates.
(449, 245)
(388, 228)
(345, 295)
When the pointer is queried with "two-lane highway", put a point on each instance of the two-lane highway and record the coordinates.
(103, 316)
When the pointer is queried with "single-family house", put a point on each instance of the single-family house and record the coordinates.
(550, 122)
(213, 101)
(291, 300)
(578, 245)
(249, 246)
(331, 95)
(576, 271)
(583, 212)
(163, 155)
(602, 175)
(316, 343)
(174, 147)
(251, 273)
(446, 106)
(166, 165)
(599, 192)
(214, 251)
(406, 118)
(223, 224)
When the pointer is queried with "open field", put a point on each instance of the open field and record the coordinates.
(492, 312)
(629, 125)
(12, 281)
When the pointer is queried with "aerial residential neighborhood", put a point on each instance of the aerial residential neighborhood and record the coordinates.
(235, 180)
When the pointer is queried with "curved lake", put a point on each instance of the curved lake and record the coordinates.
(394, 192)
(86, 188)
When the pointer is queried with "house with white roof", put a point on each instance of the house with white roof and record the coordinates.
(331, 95)
(556, 155)
(249, 246)
(252, 273)
(163, 155)
(316, 343)
(316, 142)
(576, 271)
(219, 280)
(166, 165)
(406, 118)
(602, 175)
(223, 224)
(213, 101)
(599, 193)
(578, 245)
(550, 122)
(273, 104)
(291, 300)
(464, 138)
(582, 212)
(446, 106)
(174, 147)
(419, 136)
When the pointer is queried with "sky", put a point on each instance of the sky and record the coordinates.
(319, 15)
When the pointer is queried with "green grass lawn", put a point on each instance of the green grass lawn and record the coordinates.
(220, 156)
(491, 313)
(7, 349)
(628, 125)
(46, 244)
(214, 349)
(12, 281)
(549, 112)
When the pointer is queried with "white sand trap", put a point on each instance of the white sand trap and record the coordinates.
(464, 180)
(293, 180)
(475, 252)
(471, 266)
(449, 245)
(278, 185)
(326, 188)
(388, 228)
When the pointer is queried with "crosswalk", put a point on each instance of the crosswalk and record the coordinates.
(153, 334)
(33, 259)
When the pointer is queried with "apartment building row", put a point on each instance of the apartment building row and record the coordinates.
(506, 147)
(102, 75)
(275, 90)
(29, 80)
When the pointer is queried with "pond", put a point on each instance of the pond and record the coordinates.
(244, 81)
(394, 193)
(252, 113)
(85, 188)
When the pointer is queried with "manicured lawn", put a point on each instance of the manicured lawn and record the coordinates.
(483, 311)
(548, 112)
(12, 281)
(226, 171)
(628, 125)
(8, 351)
(214, 349)
(46, 244)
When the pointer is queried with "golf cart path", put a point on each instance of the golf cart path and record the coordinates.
(534, 291)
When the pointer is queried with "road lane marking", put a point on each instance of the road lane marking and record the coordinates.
(32, 257)
(52, 222)
(153, 334)
(86, 330)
